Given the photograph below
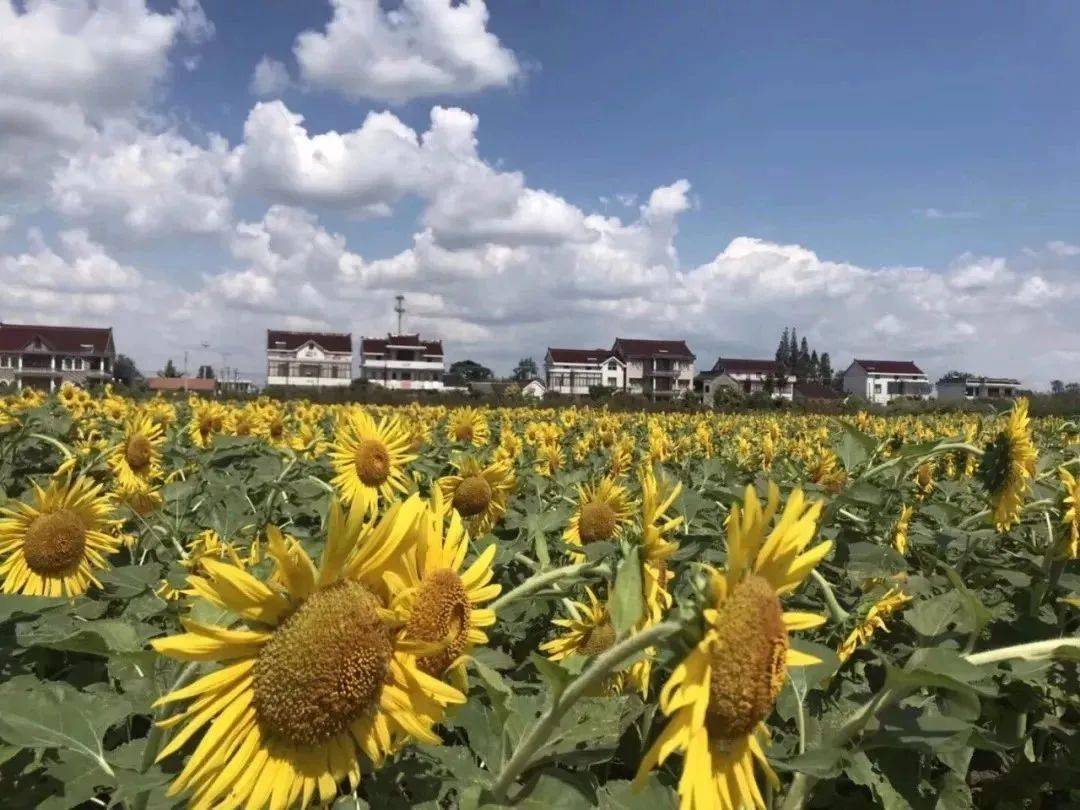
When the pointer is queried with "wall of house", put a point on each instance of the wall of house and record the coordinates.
(856, 382)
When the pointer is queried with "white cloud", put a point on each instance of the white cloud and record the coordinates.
(939, 213)
(420, 48)
(271, 78)
(150, 184)
(6, 221)
(1064, 249)
(65, 67)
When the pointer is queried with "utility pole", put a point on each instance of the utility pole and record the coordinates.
(400, 310)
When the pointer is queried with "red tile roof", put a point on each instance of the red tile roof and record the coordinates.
(631, 347)
(889, 366)
(75, 339)
(290, 341)
(579, 356)
(197, 385)
(734, 365)
(432, 348)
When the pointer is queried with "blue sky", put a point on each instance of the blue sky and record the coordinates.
(889, 178)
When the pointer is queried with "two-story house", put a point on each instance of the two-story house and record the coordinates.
(747, 377)
(402, 362)
(46, 357)
(308, 359)
(882, 381)
(955, 388)
(575, 371)
(658, 369)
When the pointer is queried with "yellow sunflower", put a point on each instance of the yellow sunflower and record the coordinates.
(900, 530)
(549, 459)
(369, 458)
(439, 603)
(588, 632)
(478, 493)
(1070, 510)
(893, 601)
(1008, 465)
(719, 695)
(468, 426)
(136, 459)
(207, 420)
(310, 683)
(603, 511)
(53, 546)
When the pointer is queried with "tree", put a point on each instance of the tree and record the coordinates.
(169, 370)
(783, 354)
(525, 370)
(803, 366)
(815, 366)
(471, 371)
(205, 373)
(825, 372)
(1057, 387)
(793, 351)
(125, 371)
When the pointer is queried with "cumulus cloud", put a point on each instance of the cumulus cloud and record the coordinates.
(421, 48)
(271, 78)
(150, 184)
(65, 67)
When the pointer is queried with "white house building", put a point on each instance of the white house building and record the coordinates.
(308, 359)
(747, 377)
(575, 371)
(882, 381)
(658, 369)
(970, 387)
(402, 362)
(46, 357)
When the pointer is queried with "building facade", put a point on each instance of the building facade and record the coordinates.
(46, 357)
(955, 389)
(747, 377)
(308, 359)
(575, 371)
(403, 362)
(657, 369)
(882, 381)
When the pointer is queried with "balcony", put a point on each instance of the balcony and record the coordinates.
(403, 365)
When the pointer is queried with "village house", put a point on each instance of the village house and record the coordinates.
(308, 359)
(955, 388)
(657, 369)
(575, 371)
(402, 362)
(882, 381)
(745, 376)
(46, 357)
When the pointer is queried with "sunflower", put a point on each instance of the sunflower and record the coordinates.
(722, 691)
(883, 609)
(549, 459)
(207, 420)
(468, 426)
(900, 530)
(439, 603)
(311, 682)
(136, 460)
(477, 493)
(588, 632)
(1070, 510)
(369, 458)
(1008, 465)
(53, 546)
(603, 510)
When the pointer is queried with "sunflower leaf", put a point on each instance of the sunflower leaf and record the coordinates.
(626, 602)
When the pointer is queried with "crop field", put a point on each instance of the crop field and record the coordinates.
(285, 604)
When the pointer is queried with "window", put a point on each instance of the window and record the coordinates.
(5, 361)
(877, 388)
(611, 382)
(283, 370)
(309, 370)
(69, 363)
(406, 375)
(747, 386)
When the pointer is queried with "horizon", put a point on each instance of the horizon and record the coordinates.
(896, 183)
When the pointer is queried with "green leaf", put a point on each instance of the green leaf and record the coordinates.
(626, 602)
(47, 714)
(13, 604)
(130, 580)
(620, 795)
(936, 615)
(102, 637)
(855, 447)
(938, 667)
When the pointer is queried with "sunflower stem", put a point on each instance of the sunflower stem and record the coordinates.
(835, 610)
(539, 581)
(945, 447)
(803, 784)
(157, 733)
(594, 674)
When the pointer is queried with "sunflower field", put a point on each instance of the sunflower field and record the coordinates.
(278, 605)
